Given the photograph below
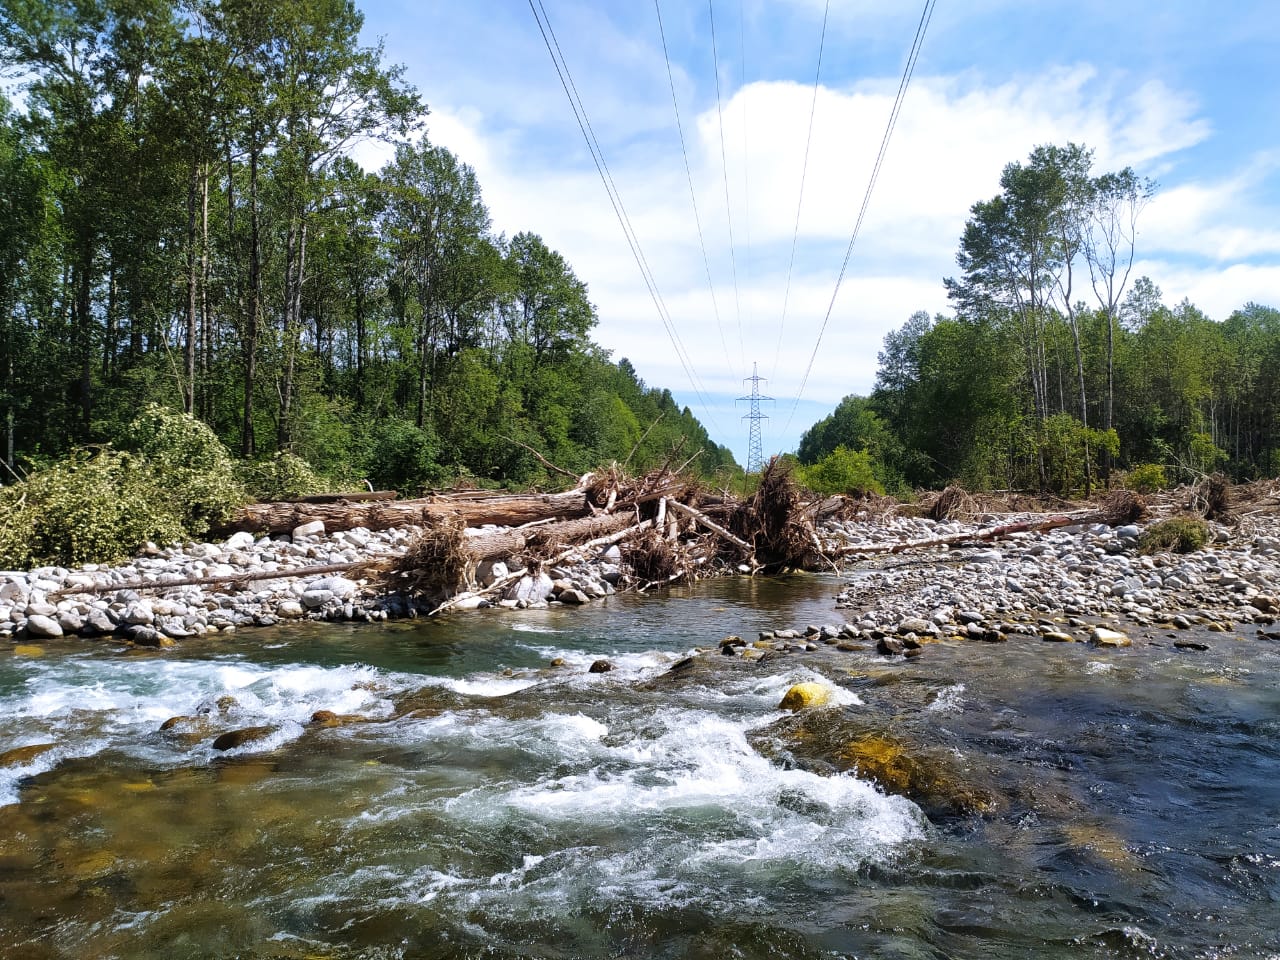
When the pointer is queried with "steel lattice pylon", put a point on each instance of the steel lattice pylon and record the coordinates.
(755, 452)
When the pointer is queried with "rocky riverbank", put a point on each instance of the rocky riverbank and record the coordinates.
(130, 602)
(1086, 583)
(1073, 583)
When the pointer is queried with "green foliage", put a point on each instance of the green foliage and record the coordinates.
(1146, 478)
(404, 458)
(285, 476)
(91, 507)
(1065, 443)
(1205, 455)
(1175, 535)
(842, 471)
(191, 467)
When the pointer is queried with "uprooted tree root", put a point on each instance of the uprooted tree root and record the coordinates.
(652, 557)
(1212, 498)
(953, 503)
(437, 563)
(775, 522)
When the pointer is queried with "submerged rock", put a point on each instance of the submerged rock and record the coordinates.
(327, 718)
(832, 741)
(239, 738)
(20, 756)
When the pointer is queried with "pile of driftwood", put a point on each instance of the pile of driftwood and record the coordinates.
(666, 525)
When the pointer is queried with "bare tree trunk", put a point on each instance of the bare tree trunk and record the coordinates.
(507, 510)
(83, 311)
(252, 313)
(190, 346)
(295, 264)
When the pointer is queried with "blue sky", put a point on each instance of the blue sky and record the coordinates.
(1187, 93)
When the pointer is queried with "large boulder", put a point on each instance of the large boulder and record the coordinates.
(804, 695)
(531, 588)
(42, 626)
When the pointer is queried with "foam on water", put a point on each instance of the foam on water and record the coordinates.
(89, 704)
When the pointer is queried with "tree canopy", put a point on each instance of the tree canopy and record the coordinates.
(1058, 366)
(181, 222)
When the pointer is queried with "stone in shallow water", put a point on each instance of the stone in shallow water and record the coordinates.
(890, 646)
(289, 609)
(239, 738)
(1057, 636)
(1109, 638)
(803, 695)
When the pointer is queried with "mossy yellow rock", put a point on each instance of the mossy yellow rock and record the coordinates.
(803, 695)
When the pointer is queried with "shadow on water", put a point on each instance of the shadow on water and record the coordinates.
(470, 799)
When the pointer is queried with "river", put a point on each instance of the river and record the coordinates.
(481, 802)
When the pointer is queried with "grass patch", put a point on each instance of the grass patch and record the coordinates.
(1175, 535)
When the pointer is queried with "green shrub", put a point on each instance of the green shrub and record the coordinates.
(1175, 535)
(842, 471)
(404, 457)
(285, 476)
(97, 506)
(1146, 478)
(190, 465)
(89, 508)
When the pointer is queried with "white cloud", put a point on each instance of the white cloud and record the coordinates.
(1219, 291)
(1219, 221)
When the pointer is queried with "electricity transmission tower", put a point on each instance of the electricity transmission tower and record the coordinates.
(755, 454)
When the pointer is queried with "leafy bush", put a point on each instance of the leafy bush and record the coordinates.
(99, 506)
(283, 477)
(1175, 535)
(89, 508)
(1146, 478)
(843, 471)
(190, 466)
(404, 457)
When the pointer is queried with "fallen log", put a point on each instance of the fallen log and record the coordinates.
(1122, 507)
(357, 496)
(507, 510)
(364, 567)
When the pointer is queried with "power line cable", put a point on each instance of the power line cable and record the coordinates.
(804, 172)
(921, 28)
(724, 166)
(615, 199)
(693, 198)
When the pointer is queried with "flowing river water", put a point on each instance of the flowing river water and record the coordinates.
(480, 802)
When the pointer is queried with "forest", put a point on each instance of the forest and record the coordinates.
(1059, 367)
(181, 223)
